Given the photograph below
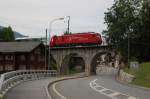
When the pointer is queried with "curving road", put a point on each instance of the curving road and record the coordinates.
(29, 90)
(96, 87)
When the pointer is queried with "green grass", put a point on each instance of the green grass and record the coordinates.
(72, 71)
(142, 77)
(127, 70)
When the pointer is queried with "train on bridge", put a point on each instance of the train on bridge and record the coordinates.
(77, 39)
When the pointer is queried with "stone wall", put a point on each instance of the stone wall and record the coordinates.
(106, 70)
(123, 76)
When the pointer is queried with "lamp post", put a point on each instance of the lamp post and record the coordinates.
(68, 28)
(128, 49)
(50, 29)
(46, 49)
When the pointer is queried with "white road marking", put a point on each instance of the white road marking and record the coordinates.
(103, 90)
(93, 87)
(60, 95)
(112, 95)
(132, 97)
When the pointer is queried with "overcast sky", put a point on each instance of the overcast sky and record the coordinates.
(31, 17)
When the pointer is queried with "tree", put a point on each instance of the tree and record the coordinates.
(6, 34)
(122, 20)
(66, 32)
(144, 31)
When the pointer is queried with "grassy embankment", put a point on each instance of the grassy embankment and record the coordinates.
(73, 71)
(142, 77)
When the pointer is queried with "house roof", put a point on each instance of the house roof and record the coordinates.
(18, 46)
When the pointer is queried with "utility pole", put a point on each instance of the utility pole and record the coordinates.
(46, 49)
(50, 29)
(128, 49)
(68, 29)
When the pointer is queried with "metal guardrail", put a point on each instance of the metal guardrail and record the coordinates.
(13, 78)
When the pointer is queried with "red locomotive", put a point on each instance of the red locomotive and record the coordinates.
(76, 39)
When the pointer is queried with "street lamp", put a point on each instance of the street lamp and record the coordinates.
(68, 28)
(128, 49)
(50, 29)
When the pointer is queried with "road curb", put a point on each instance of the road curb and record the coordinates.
(130, 85)
(58, 80)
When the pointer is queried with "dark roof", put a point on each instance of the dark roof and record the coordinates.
(18, 46)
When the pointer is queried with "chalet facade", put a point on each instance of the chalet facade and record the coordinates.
(22, 56)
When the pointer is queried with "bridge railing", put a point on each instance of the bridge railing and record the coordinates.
(8, 80)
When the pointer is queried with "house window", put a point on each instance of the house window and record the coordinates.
(22, 67)
(8, 67)
(41, 58)
(32, 57)
(37, 51)
(1, 57)
(1, 68)
(22, 57)
(32, 67)
(9, 57)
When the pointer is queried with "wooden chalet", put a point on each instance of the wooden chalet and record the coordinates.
(22, 56)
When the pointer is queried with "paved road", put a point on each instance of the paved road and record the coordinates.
(97, 87)
(29, 90)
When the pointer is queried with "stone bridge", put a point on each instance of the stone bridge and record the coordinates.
(88, 55)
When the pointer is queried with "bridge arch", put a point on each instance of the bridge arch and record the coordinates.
(87, 55)
(99, 58)
(72, 62)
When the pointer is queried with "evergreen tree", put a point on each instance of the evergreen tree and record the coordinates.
(6, 34)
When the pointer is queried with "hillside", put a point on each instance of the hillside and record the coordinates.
(19, 35)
